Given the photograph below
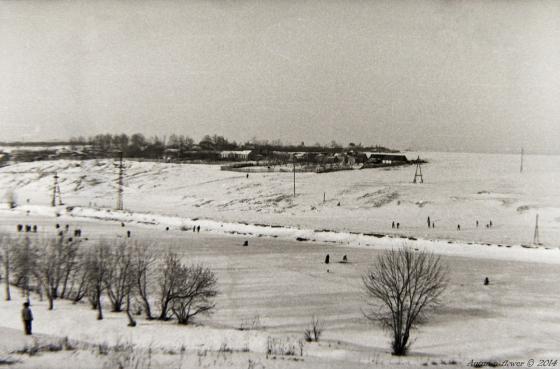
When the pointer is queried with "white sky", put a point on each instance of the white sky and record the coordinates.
(441, 75)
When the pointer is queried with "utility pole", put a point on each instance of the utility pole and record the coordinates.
(536, 240)
(521, 169)
(418, 173)
(120, 183)
(294, 163)
(56, 192)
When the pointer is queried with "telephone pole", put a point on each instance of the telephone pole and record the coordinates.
(294, 163)
(120, 183)
(536, 240)
(418, 174)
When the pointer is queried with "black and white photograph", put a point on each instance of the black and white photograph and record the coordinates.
(270, 184)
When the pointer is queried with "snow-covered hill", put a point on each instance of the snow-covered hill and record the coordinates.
(457, 189)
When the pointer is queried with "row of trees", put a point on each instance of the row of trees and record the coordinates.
(137, 145)
(404, 285)
(128, 274)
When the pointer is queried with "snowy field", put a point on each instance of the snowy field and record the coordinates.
(458, 189)
(284, 283)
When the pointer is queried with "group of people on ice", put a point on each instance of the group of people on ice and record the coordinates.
(432, 224)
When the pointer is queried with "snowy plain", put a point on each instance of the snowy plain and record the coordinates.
(284, 281)
(458, 189)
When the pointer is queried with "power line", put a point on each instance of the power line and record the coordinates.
(418, 173)
(120, 181)
(56, 192)
(294, 175)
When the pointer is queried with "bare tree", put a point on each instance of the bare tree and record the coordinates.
(56, 259)
(117, 279)
(193, 293)
(69, 264)
(167, 281)
(96, 264)
(23, 263)
(48, 267)
(404, 286)
(129, 295)
(79, 280)
(143, 261)
(6, 247)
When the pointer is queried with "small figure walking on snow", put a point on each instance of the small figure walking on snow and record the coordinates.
(198, 229)
(393, 225)
(27, 317)
(486, 281)
(428, 222)
(327, 258)
(398, 225)
(458, 227)
(477, 223)
(490, 223)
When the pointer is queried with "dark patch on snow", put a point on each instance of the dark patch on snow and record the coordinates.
(377, 235)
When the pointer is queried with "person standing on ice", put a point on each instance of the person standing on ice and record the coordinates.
(393, 225)
(27, 317)
(458, 227)
(428, 222)
(477, 223)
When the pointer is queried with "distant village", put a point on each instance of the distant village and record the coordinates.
(211, 149)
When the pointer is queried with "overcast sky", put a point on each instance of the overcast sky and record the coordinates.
(428, 75)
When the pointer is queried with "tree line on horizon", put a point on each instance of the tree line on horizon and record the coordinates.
(138, 145)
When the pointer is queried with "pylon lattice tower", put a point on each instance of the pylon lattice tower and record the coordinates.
(536, 240)
(56, 192)
(418, 173)
(120, 183)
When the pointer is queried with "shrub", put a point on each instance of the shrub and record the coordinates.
(314, 331)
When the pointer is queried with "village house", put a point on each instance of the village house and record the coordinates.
(236, 155)
(387, 159)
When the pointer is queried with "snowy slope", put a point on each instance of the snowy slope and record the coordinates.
(458, 189)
